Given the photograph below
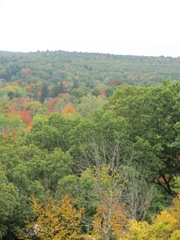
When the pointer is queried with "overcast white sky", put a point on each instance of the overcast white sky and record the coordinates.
(135, 27)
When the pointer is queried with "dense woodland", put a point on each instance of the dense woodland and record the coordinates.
(90, 146)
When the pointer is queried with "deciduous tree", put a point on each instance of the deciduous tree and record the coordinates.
(56, 220)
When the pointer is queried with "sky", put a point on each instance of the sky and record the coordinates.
(128, 27)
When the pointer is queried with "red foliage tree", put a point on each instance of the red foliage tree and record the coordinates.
(116, 82)
(103, 92)
(26, 117)
(31, 87)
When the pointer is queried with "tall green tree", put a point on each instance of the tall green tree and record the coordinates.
(153, 115)
(44, 92)
(8, 202)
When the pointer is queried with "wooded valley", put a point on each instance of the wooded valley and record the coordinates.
(90, 146)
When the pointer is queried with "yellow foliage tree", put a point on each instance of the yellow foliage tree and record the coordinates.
(56, 220)
(165, 226)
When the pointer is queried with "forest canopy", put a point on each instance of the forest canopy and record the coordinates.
(89, 146)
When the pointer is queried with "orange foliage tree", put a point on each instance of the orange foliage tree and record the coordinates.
(69, 109)
(109, 221)
(56, 220)
(26, 70)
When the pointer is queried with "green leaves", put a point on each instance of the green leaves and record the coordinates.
(8, 201)
(152, 117)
